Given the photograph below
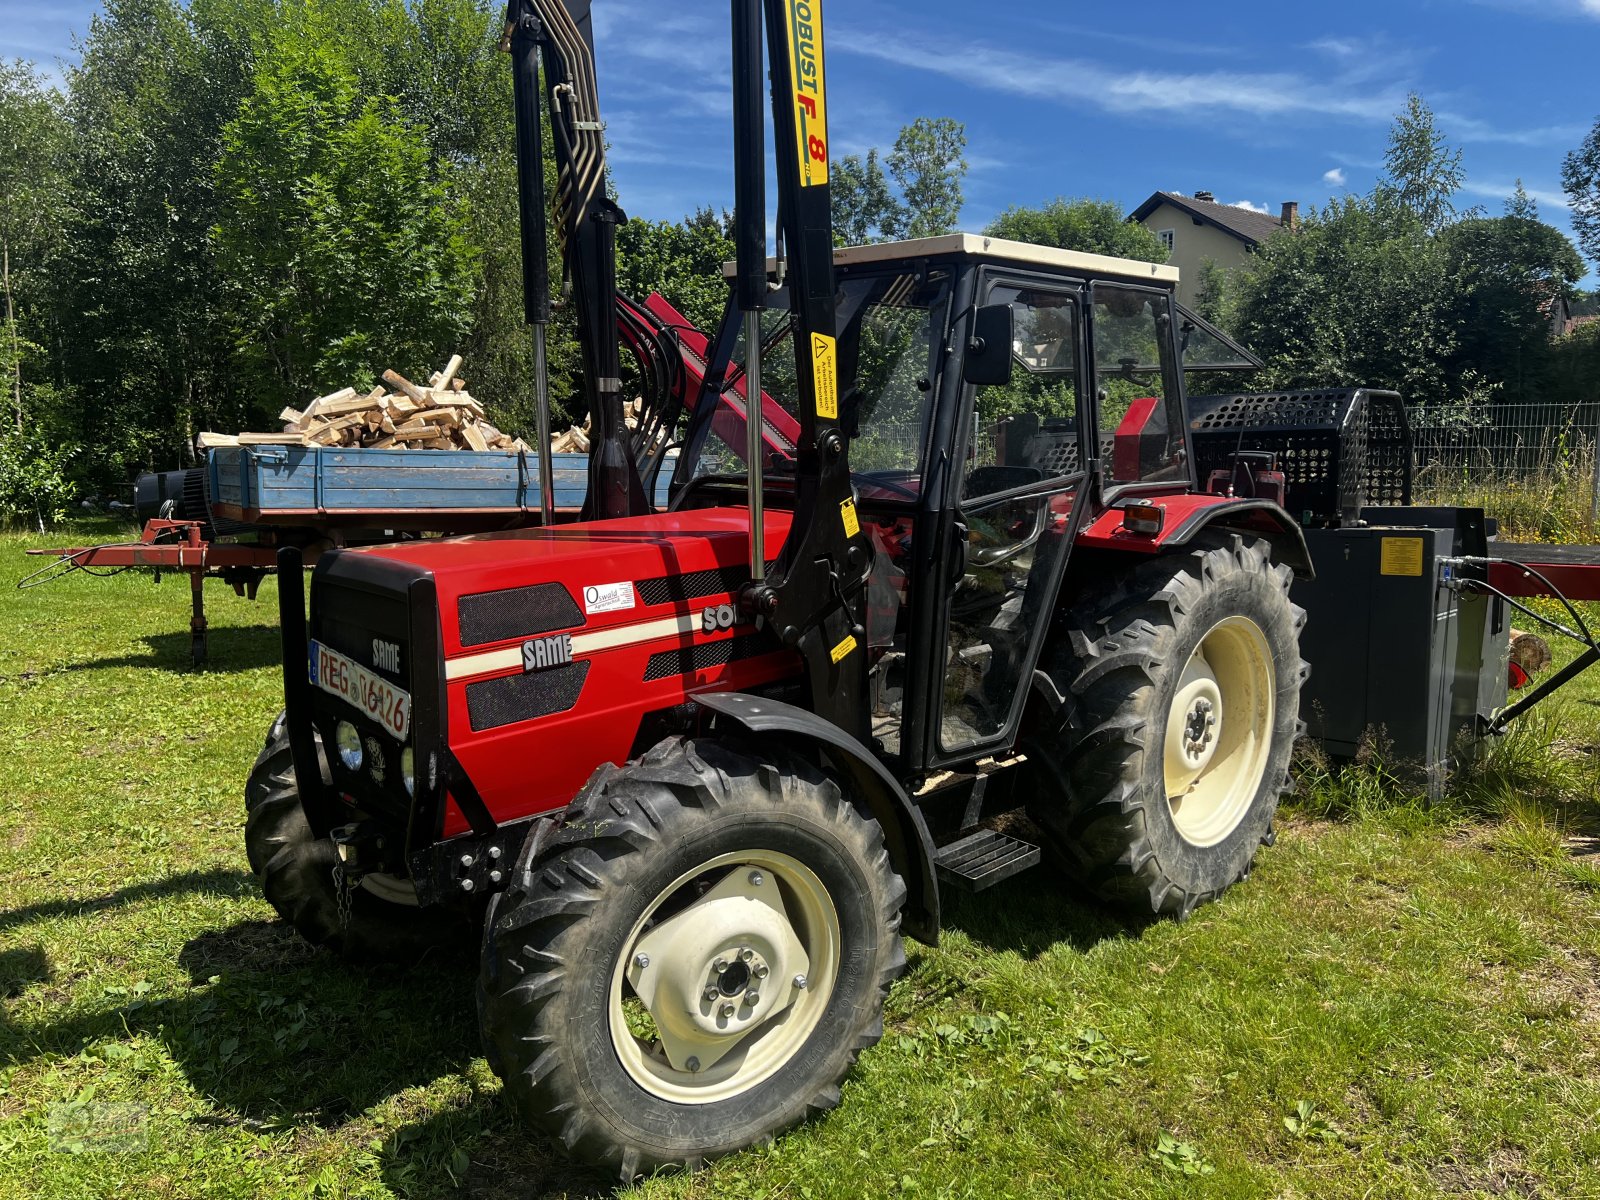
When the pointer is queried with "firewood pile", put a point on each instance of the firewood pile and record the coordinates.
(576, 439)
(399, 416)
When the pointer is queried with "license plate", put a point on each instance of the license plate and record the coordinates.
(358, 687)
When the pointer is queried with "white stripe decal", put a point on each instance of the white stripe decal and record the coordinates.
(582, 643)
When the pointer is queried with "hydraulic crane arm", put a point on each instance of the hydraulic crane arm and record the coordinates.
(813, 599)
(560, 32)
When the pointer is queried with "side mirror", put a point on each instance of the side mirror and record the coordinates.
(988, 357)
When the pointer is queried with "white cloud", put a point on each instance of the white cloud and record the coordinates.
(1548, 8)
(1335, 177)
(1544, 197)
(1116, 89)
(1245, 204)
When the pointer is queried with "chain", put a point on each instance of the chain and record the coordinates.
(343, 886)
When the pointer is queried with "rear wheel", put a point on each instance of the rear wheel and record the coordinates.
(696, 961)
(377, 920)
(1162, 774)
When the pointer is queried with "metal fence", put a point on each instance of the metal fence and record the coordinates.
(1506, 441)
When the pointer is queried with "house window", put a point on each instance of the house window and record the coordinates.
(1168, 237)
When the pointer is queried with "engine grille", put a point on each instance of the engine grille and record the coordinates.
(679, 589)
(516, 613)
(669, 664)
(512, 698)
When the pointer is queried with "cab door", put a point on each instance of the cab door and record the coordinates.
(1021, 493)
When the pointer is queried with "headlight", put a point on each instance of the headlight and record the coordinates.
(408, 770)
(349, 743)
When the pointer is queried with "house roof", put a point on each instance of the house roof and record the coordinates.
(1248, 226)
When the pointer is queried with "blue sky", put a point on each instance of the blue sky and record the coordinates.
(1257, 102)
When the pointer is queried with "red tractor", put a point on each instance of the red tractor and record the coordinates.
(694, 772)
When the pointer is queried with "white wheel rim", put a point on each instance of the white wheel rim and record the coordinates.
(765, 928)
(1219, 731)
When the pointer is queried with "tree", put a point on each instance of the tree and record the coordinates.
(929, 163)
(1520, 204)
(682, 261)
(1092, 226)
(1580, 176)
(1423, 171)
(1505, 278)
(33, 144)
(864, 206)
(342, 251)
(1356, 298)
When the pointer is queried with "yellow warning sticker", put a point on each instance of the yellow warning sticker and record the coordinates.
(1401, 556)
(825, 359)
(852, 523)
(843, 650)
(810, 90)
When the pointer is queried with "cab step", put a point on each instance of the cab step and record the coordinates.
(983, 859)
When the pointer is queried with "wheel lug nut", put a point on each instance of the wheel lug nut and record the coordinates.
(693, 1064)
(746, 955)
(728, 1009)
(720, 965)
(752, 997)
(712, 993)
(641, 961)
(800, 982)
(761, 971)
(756, 879)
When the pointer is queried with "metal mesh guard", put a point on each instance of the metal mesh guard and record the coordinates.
(516, 613)
(512, 698)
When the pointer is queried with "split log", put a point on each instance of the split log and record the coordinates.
(1529, 651)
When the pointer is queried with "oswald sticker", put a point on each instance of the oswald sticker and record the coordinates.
(607, 597)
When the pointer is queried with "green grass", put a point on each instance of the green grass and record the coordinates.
(1403, 1000)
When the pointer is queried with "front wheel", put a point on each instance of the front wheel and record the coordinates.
(377, 920)
(1160, 778)
(695, 963)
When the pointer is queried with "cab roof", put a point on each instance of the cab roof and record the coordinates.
(974, 245)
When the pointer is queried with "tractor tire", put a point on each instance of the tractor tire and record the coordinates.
(383, 922)
(1151, 790)
(694, 963)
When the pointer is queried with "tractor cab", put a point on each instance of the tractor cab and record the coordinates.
(997, 397)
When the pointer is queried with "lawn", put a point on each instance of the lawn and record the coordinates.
(1402, 1001)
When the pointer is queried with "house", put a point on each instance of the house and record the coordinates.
(1195, 228)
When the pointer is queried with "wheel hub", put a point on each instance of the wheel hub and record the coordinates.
(1193, 726)
(719, 969)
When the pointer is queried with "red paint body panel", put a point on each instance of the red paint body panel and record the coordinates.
(1576, 581)
(537, 765)
(1105, 532)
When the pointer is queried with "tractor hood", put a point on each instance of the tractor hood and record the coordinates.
(587, 578)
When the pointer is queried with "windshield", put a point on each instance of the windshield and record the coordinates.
(888, 337)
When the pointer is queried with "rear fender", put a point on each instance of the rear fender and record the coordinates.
(905, 833)
(1188, 516)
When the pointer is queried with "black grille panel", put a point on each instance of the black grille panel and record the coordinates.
(517, 613)
(679, 589)
(505, 701)
(669, 664)
(1340, 450)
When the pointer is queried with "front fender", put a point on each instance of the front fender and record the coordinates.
(905, 833)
